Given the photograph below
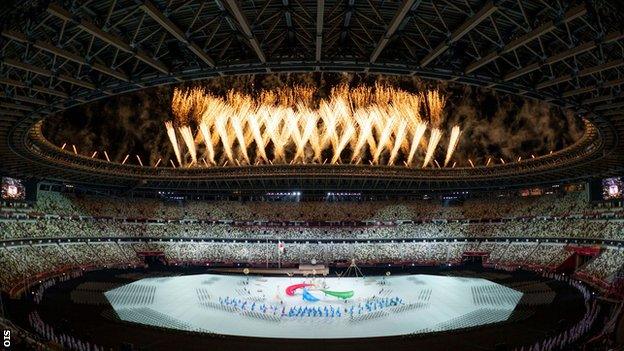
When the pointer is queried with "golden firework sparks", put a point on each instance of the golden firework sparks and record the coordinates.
(174, 141)
(453, 141)
(379, 125)
(434, 139)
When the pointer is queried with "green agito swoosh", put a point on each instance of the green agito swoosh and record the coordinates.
(339, 294)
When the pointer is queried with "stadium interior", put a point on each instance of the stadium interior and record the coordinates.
(336, 174)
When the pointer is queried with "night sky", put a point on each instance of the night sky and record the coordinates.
(493, 124)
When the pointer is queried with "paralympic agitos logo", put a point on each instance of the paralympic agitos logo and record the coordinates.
(308, 296)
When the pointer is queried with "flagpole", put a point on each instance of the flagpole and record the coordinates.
(267, 253)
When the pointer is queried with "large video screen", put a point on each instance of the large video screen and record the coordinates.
(13, 189)
(612, 189)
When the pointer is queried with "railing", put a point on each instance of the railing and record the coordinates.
(590, 144)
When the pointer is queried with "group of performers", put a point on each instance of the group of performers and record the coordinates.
(251, 306)
(326, 311)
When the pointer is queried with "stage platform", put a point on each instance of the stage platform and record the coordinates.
(320, 308)
(303, 270)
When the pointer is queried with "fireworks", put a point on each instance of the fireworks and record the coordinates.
(453, 141)
(189, 140)
(174, 141)
(377, 125)
(421, 128)
(434, 139)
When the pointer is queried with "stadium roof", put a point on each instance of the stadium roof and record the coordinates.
(56, 55)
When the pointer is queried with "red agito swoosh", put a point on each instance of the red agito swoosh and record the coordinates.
(290, 291)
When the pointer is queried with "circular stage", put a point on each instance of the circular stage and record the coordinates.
(314, 308)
